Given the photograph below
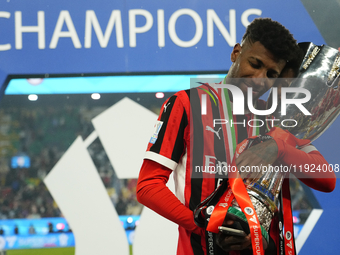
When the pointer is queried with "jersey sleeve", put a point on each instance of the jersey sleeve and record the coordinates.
(302, 160)
(167, 143)
(152, 192)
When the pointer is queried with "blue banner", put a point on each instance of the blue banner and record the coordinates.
(48, 232)
(81, 36)
(36, 241)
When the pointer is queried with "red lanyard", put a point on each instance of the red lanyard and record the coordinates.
(239, 191)
(287, 219)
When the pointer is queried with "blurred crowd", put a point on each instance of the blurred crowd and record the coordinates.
(43, 134)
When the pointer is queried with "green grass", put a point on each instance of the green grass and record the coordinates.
(44, 251)
(48, 251)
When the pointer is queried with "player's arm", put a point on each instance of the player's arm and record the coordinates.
(275, 150)
(164, 151)
(153, 193)
(320, 180)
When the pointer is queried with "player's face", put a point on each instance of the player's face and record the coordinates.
(256, 66)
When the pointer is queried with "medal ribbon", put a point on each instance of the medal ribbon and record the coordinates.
(239, 191)
(287, 219)
(220, 211)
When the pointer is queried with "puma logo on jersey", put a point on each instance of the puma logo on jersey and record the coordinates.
(212, 130)
(166, 106)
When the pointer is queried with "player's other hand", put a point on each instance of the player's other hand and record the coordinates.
(252, 161)
(235, 243)
(232, 242)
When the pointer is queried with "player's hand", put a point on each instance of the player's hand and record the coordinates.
(232, 242)
(235, 243)
(254, 158)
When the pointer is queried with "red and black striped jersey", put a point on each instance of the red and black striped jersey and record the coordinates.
(197, 147)
(187, 141)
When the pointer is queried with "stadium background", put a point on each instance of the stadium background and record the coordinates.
(47, 60)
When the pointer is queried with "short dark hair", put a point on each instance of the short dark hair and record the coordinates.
(273, 36)
(295, 63)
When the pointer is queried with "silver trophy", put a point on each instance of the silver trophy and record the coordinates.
(319, 74)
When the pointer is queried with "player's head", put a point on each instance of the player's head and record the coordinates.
(291, 69)
(287, 76)
(273, 36)
(265, 49)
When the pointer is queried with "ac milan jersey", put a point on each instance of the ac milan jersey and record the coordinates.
(197, 147)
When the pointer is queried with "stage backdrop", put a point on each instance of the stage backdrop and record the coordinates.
(89, 38)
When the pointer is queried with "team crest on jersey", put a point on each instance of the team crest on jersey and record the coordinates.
(157, 128)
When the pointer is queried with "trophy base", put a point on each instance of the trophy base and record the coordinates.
(238, 216)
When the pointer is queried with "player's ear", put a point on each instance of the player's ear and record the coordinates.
(236, 52)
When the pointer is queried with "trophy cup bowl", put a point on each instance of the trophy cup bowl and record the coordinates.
(319, 74)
